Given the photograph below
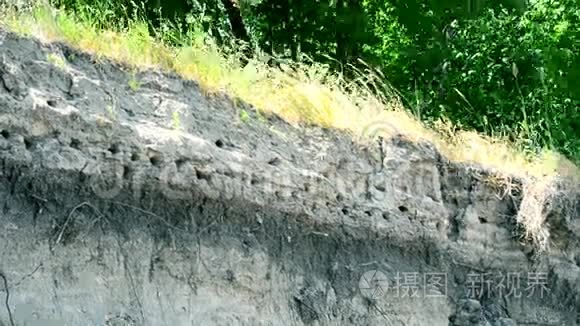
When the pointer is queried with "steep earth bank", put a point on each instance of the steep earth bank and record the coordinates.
(135, 199)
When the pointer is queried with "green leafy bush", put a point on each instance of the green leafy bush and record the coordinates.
(514, 74)
(507, 72)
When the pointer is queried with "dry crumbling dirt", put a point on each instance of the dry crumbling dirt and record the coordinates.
(136, 199)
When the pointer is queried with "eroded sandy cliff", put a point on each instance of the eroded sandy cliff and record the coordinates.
(158, 205)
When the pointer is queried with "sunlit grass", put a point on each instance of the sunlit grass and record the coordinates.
(305, 94)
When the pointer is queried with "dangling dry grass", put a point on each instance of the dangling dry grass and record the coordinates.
(541, 199)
